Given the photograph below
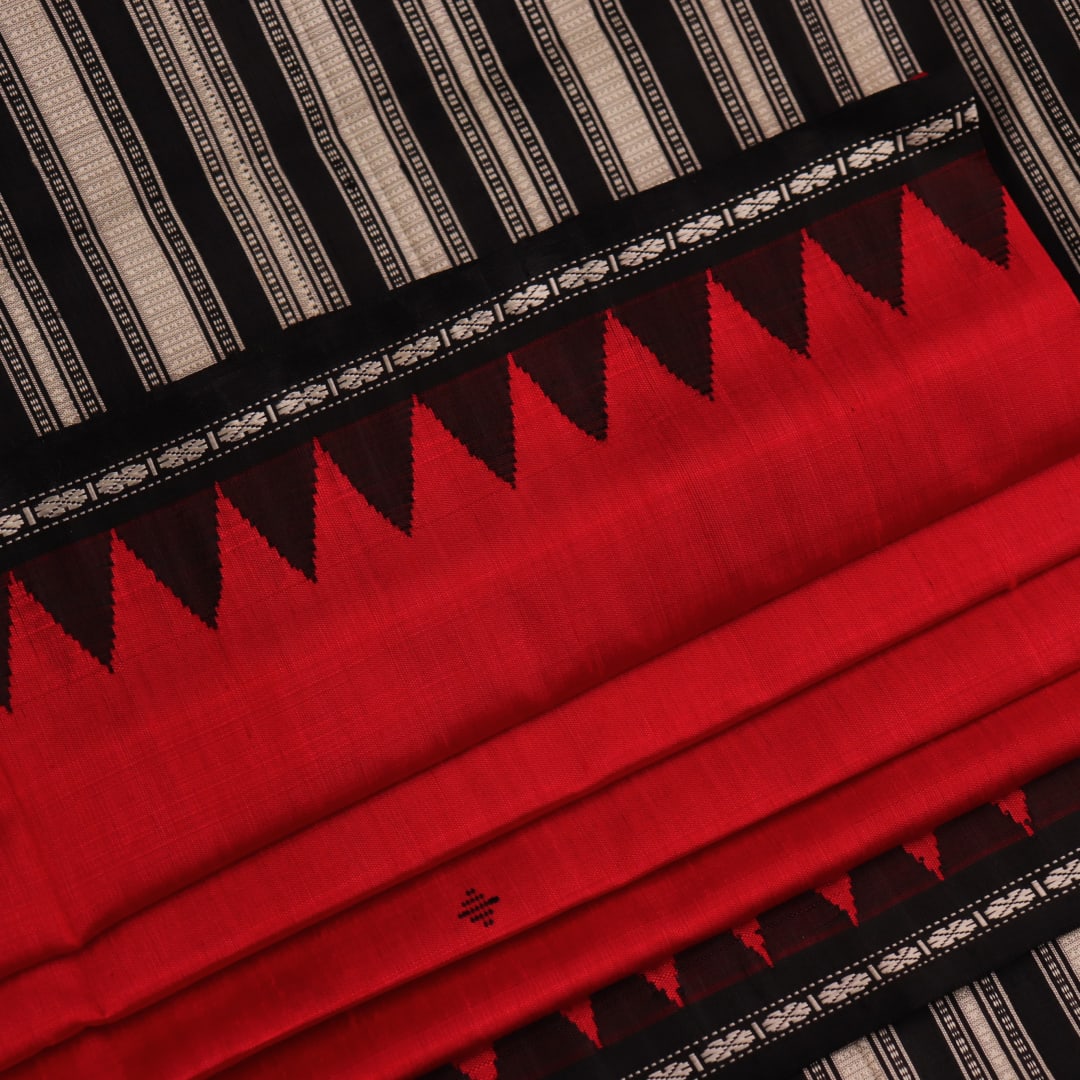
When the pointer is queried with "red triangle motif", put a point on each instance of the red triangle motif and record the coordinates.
(840, 895)
(968, 198)
(568, 366)
(480, 1066)
(673, 324)
(665, 978)
(179, 545)
(277, 498)
(476, 409)
(750, 935)
(768, 283)
(375, 455)
(1015, 806)
(925, 851)
(864, 240)
(74, 585)
(582, 1017)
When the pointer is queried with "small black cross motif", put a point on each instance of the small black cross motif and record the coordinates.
(478, 908)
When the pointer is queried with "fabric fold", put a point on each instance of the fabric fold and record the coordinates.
(979, 551)
(885, 708)
(831, 434)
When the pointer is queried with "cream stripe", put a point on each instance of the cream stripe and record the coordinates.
(24, 379)
(472, 112)
(863, 49)
(164, 309)
(58, 357)
(357, 121)
(591, 53)
(857, 1061)
(223, 129)
(36, 350)
(743, 68)
(530, 140)
(1069, 945)
(999, 1009)
(1033, 142)
(985, 1035)
(502, 137)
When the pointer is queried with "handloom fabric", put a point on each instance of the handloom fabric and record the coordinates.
(539, 538)
(1021, 1020)
(169, 161)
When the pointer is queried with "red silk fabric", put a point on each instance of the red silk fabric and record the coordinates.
(587, 657)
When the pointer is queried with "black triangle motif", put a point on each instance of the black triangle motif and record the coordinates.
(278, 499)
(568, 366)
(179, 545)
(544, 1047)
(476, 409)
(673, 324)
(375, 455)
(865, 241)
(968, 198)
(714, 964)
(74, 585)
(768, 283)
(628, 1006)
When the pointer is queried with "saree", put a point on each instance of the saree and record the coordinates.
(539, 539)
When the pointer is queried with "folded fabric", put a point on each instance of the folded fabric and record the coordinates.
(849, 441)
(983, 550)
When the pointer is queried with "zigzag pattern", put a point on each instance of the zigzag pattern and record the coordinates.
(179, 543)
(643, 999)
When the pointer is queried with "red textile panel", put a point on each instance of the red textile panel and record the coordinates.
(766, 656)
(205, 745)
(280, 993)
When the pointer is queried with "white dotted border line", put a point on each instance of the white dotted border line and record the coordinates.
(862, 977)
(68, 502)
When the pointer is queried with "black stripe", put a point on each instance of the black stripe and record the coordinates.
(926, 36)
(546, 105)
(316, 191)
(927, 1048)
(1055, 46)
(170, 148)
(680, 73)
(64, 275)
(797, 59)
(450, 161)
(1041, 1014)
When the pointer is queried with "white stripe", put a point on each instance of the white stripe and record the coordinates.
(865, 53)
(733, 71)
(985, 1035)
(1011, 1033)
(45, 337)
(179, 341)
(857, 1061)
(578, 99)
(589, 52)
(278, 238)
(639, 70)
(355, 113)
(472, 111)
(35, 350)
(961, 1040)
(499, 86)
